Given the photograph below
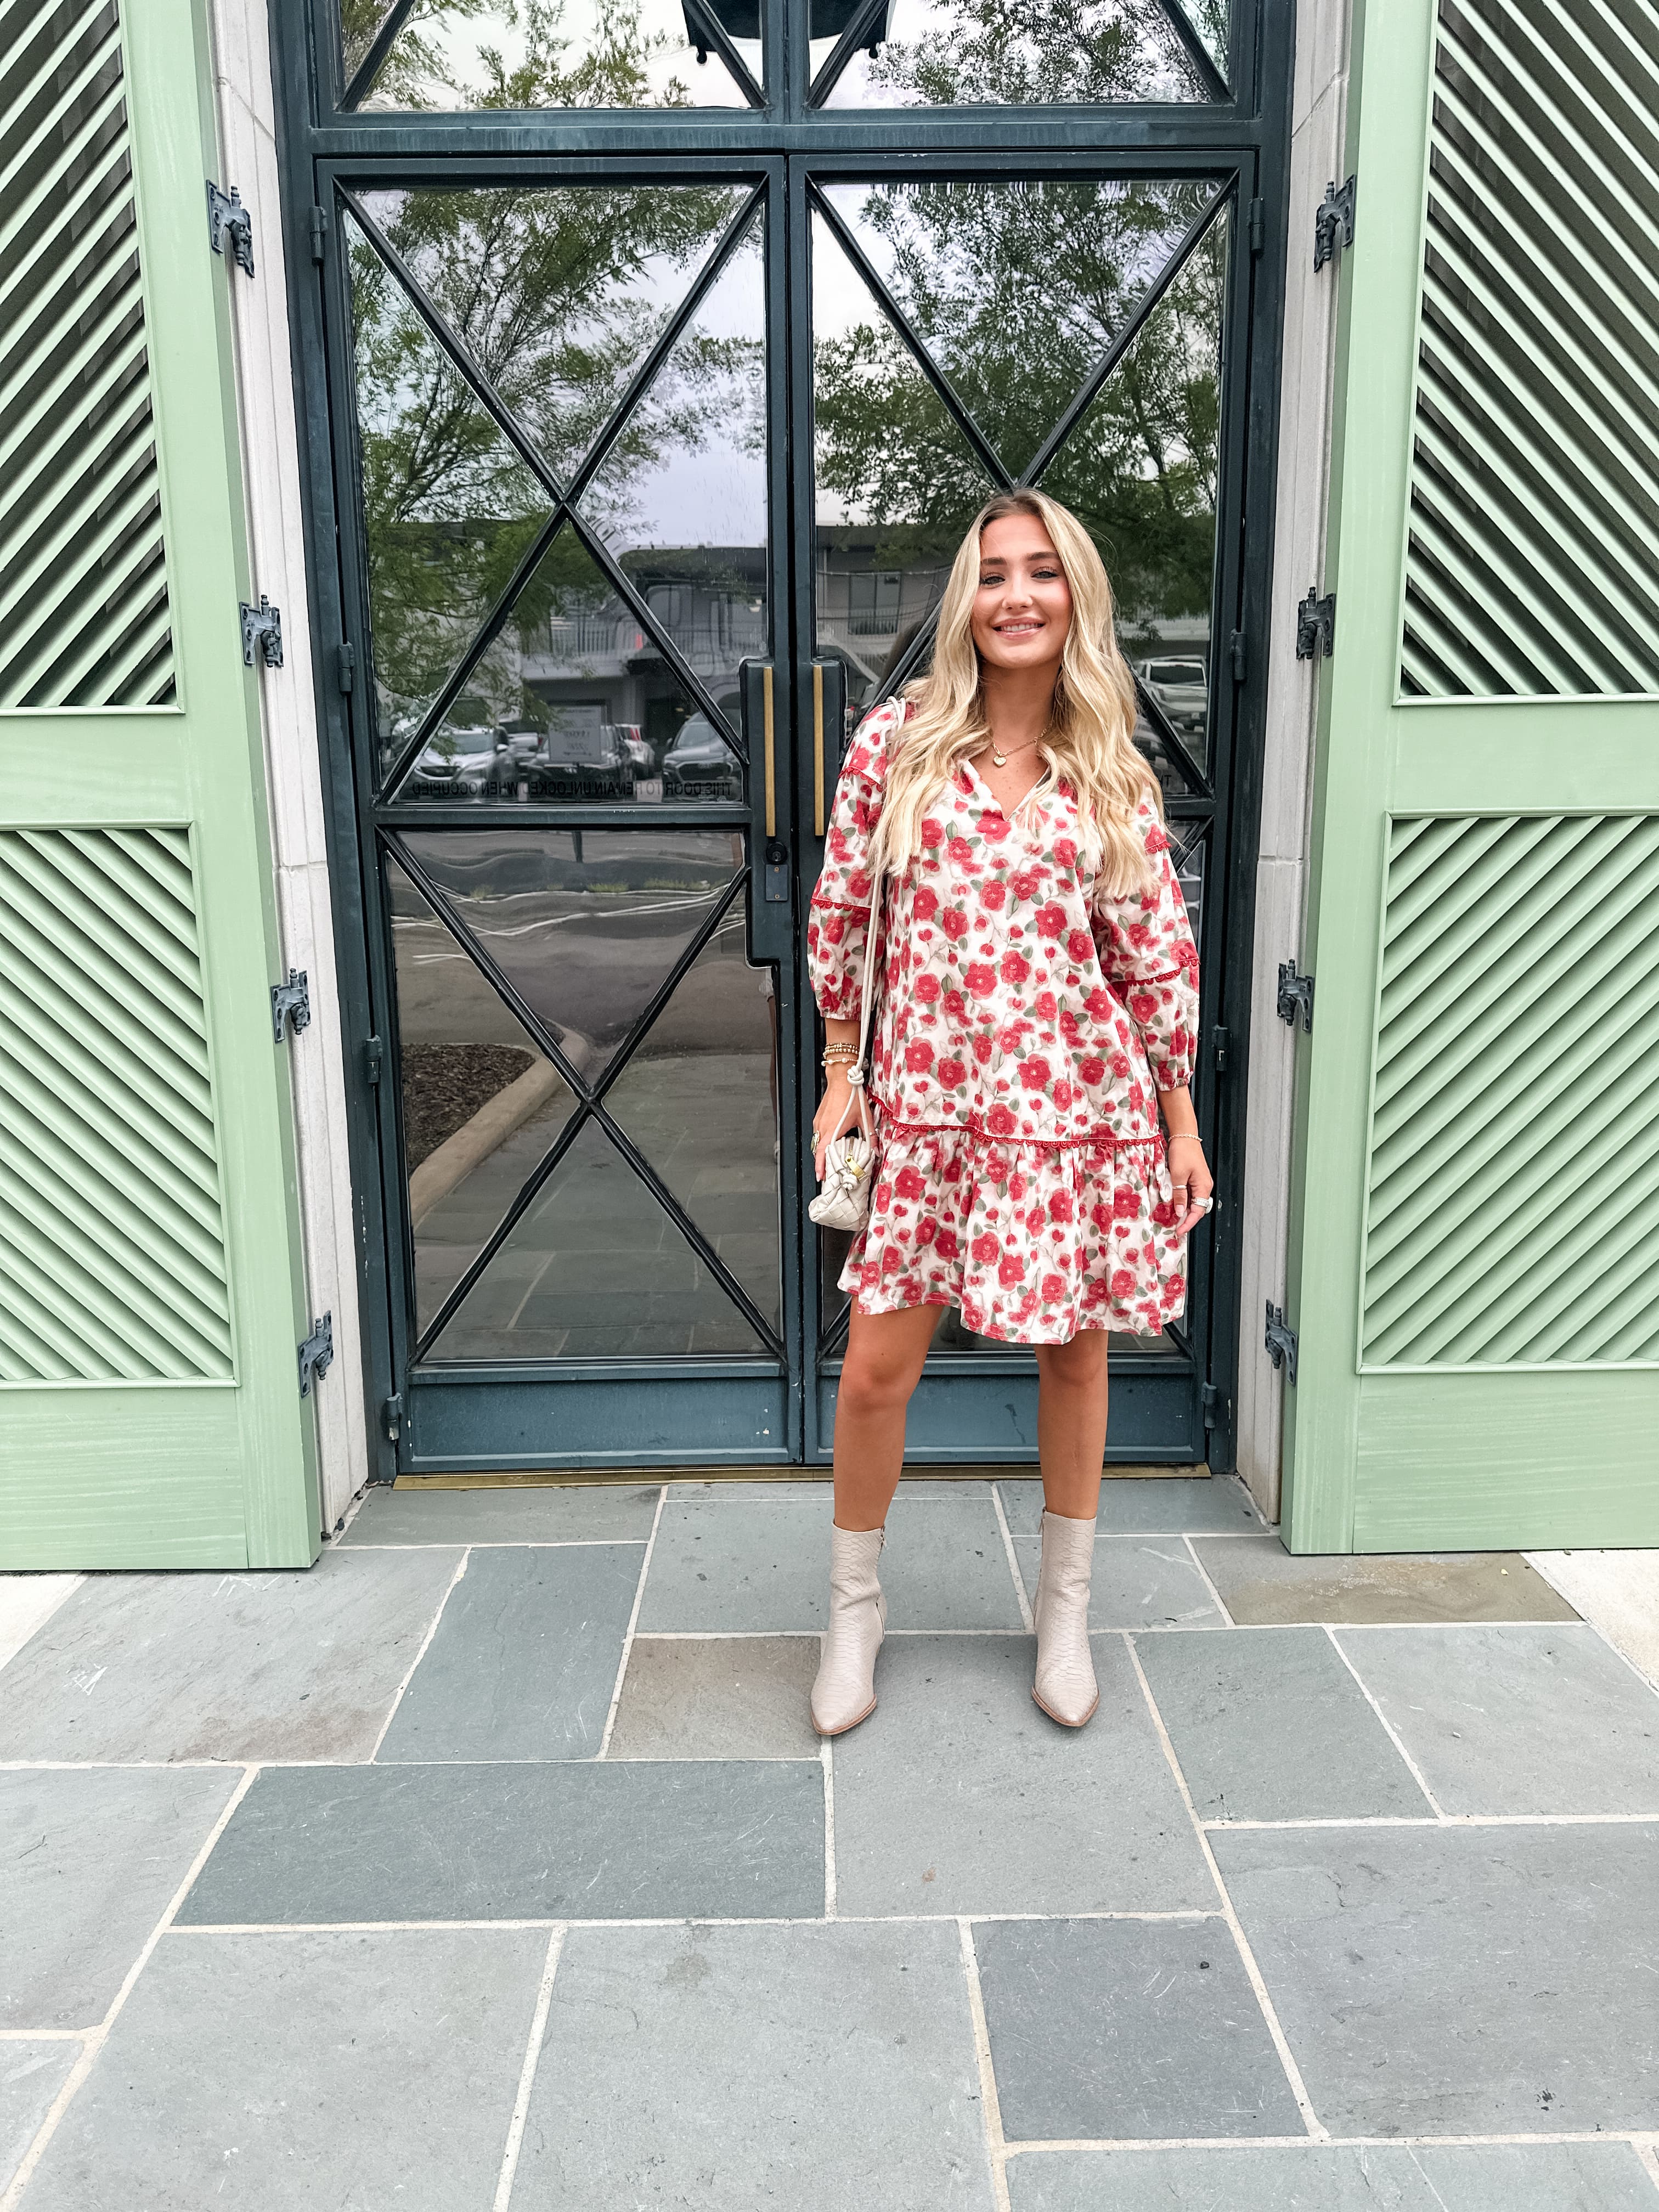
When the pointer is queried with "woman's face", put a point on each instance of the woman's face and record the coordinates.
(1022, 608)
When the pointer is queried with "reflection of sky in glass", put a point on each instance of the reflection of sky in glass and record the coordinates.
(708, 487)
(675, 77)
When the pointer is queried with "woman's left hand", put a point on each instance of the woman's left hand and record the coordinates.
(1189, 1172)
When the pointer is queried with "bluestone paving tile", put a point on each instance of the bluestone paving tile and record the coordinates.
(717, 1566)
(1368, 2178)
(1127, 2029)
(524, 1661)
(1260, 1582)
(958, 1795)
(723, 2070)
(1516, 1718)
(88, 1862)
(1176, 1506)
(263, 2072)
(589, 1513)
(31, 2074)
(1272, 1726)
(1460, 1980)
(737, 1697)
(1140, 1581)
(302, 1665)
(583, 1841)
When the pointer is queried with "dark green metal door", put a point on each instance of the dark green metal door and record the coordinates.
(655, 361)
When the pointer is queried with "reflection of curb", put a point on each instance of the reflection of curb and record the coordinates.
(475, 1141)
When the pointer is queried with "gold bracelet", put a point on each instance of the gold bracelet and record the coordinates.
(1182, 1137)
(837, 1052)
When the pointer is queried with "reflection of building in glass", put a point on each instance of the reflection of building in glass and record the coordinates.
(577, 699)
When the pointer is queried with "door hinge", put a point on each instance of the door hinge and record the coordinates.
(1258, 225)
(1216, 1407)
(1239, 656)
(373, 1054)
(262, 626)
(1295, 996)
(316, 1353)
(1316, 626)
(345, 666)
(391, 1415)
(1220, 1040)
(1333, 221)
(290, 1004)
(318, 232)
(228, 218)
(1281, 1341)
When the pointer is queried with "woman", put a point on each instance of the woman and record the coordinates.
(1037, 1016)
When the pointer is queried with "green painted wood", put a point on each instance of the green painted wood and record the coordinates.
(151, 1294)
(1508, 1450)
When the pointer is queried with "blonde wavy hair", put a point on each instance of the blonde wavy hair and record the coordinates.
(1089, 740)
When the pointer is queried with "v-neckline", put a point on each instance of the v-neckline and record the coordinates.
(996, 802)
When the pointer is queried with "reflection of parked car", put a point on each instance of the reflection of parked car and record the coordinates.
(582, 757)
(1182, 689)
(636, 747)
(459, 764)
(699, 764)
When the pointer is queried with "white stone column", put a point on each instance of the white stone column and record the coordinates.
(270, 470)
(1318, 115)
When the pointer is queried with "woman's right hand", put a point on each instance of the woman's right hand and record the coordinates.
(834, 1109)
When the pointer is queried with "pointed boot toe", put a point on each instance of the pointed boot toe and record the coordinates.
(1065, 1688)
(844, 1692)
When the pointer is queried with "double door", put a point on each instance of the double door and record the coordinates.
(649, 465)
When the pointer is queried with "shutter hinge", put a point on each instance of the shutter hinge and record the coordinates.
(1281, 1341)
(1295, 996)
(316, 1353)
(1258, 225)
(345, 666)
(1216, 1407)
(1220, 1040)
(1238, 655)
(318, 232)
(391, 1415)
(228, 218)
(1333, 221)
(374, 1055)
(1316, 626)
(262, 626)
(290, 1004)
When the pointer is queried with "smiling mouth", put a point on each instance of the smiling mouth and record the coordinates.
(1017, 629)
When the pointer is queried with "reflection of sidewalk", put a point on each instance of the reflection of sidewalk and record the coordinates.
(493, 1863)
(597, 1267)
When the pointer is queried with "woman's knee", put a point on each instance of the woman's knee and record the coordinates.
(874, 1381)
(1078, 1365)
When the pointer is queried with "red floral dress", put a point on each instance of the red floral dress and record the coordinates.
(1026, 1021)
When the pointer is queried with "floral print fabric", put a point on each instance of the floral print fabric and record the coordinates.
(1027, 1021)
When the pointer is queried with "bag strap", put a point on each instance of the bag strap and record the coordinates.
(858, 1073)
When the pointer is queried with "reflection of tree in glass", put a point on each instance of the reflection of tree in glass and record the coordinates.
(557, 296)
(611, 69)
(1031, 51)
(1017, 291)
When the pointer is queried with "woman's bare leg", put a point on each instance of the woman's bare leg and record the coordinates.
(884, 1362)
(1071, 1423)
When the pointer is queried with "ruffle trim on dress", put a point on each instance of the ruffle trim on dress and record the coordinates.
(1032, 1243)
(973, 1126)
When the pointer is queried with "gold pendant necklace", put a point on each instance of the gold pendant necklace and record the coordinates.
(1000, 759)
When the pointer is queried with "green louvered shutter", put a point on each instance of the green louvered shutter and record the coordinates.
(1474, 1273)
(150, 1292)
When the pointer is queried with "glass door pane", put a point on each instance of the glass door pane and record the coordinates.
(970, 335)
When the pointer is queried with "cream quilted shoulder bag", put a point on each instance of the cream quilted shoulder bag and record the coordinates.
(849, 1160)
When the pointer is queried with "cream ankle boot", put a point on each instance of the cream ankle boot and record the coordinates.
(1065, 1687)
(845, 1692)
